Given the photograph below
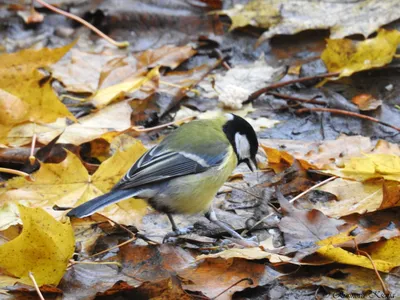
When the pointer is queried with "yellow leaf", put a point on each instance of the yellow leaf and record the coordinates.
(258, 13)
(19, 77)
(342, 256)
(69, 184)
(346, 56)
(352, 197)
(111, 119)
(12, 109)
(108, 94)
(44, 247)
(370, 166)
(384, 253)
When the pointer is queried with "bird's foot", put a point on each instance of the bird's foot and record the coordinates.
(177, 233)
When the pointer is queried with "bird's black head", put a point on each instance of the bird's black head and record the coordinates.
(243, 139)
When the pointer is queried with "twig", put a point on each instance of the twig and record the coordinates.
(384, 287)
(112, 248)
(291, 201)
(82, 21)
(36, 285)
(347, 113)
(258, 93)
(249, 280)
(288, 97)
(16, 172)
(141, 129)
(32, 157)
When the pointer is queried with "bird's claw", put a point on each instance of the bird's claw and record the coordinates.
(178, 232)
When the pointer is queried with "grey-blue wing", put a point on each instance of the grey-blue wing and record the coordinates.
(157, 165)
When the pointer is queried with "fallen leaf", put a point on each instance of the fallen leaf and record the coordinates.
(106, 95)
(331, 153)
(352, 197)
(304, 229)
(106, 122)
(68, 184)
(44, 248)
(255, 253)
(235, 86)
(366, 102)
(20, 78)
(12, 109)
(80, 72)
(371, 166)
(346, 56)
(166, 56)
(344, 18)
(228, 271)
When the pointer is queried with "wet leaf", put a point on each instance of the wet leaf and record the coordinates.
(344, 18)
(44, 248)
(303, 229)
(260, 252)
(80, 73)
(346, 56)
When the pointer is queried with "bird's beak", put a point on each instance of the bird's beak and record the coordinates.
(252, 162)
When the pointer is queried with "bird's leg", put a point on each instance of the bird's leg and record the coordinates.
(210, 215)
(176, 231)
(251, 242)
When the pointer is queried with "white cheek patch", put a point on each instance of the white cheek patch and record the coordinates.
(242, 146)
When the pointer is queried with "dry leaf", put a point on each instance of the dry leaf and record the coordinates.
(44, 248)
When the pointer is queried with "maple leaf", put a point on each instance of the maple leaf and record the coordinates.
(44, 248)
(68, 184)
(20, 78)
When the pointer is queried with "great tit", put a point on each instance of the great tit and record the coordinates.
(184, 172)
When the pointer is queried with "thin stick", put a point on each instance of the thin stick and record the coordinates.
(347, 113)
(287, 97)
(291, 201)
(249, 280)
(141, 129)
(112, 248)
(384, 287)
(258, 93)
(82, 21)
(36, 285)
(14, 172)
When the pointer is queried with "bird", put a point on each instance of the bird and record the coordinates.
(183, 173)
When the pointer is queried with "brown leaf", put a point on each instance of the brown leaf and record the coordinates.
(303, 228)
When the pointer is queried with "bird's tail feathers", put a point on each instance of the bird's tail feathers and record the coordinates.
(90, 207)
